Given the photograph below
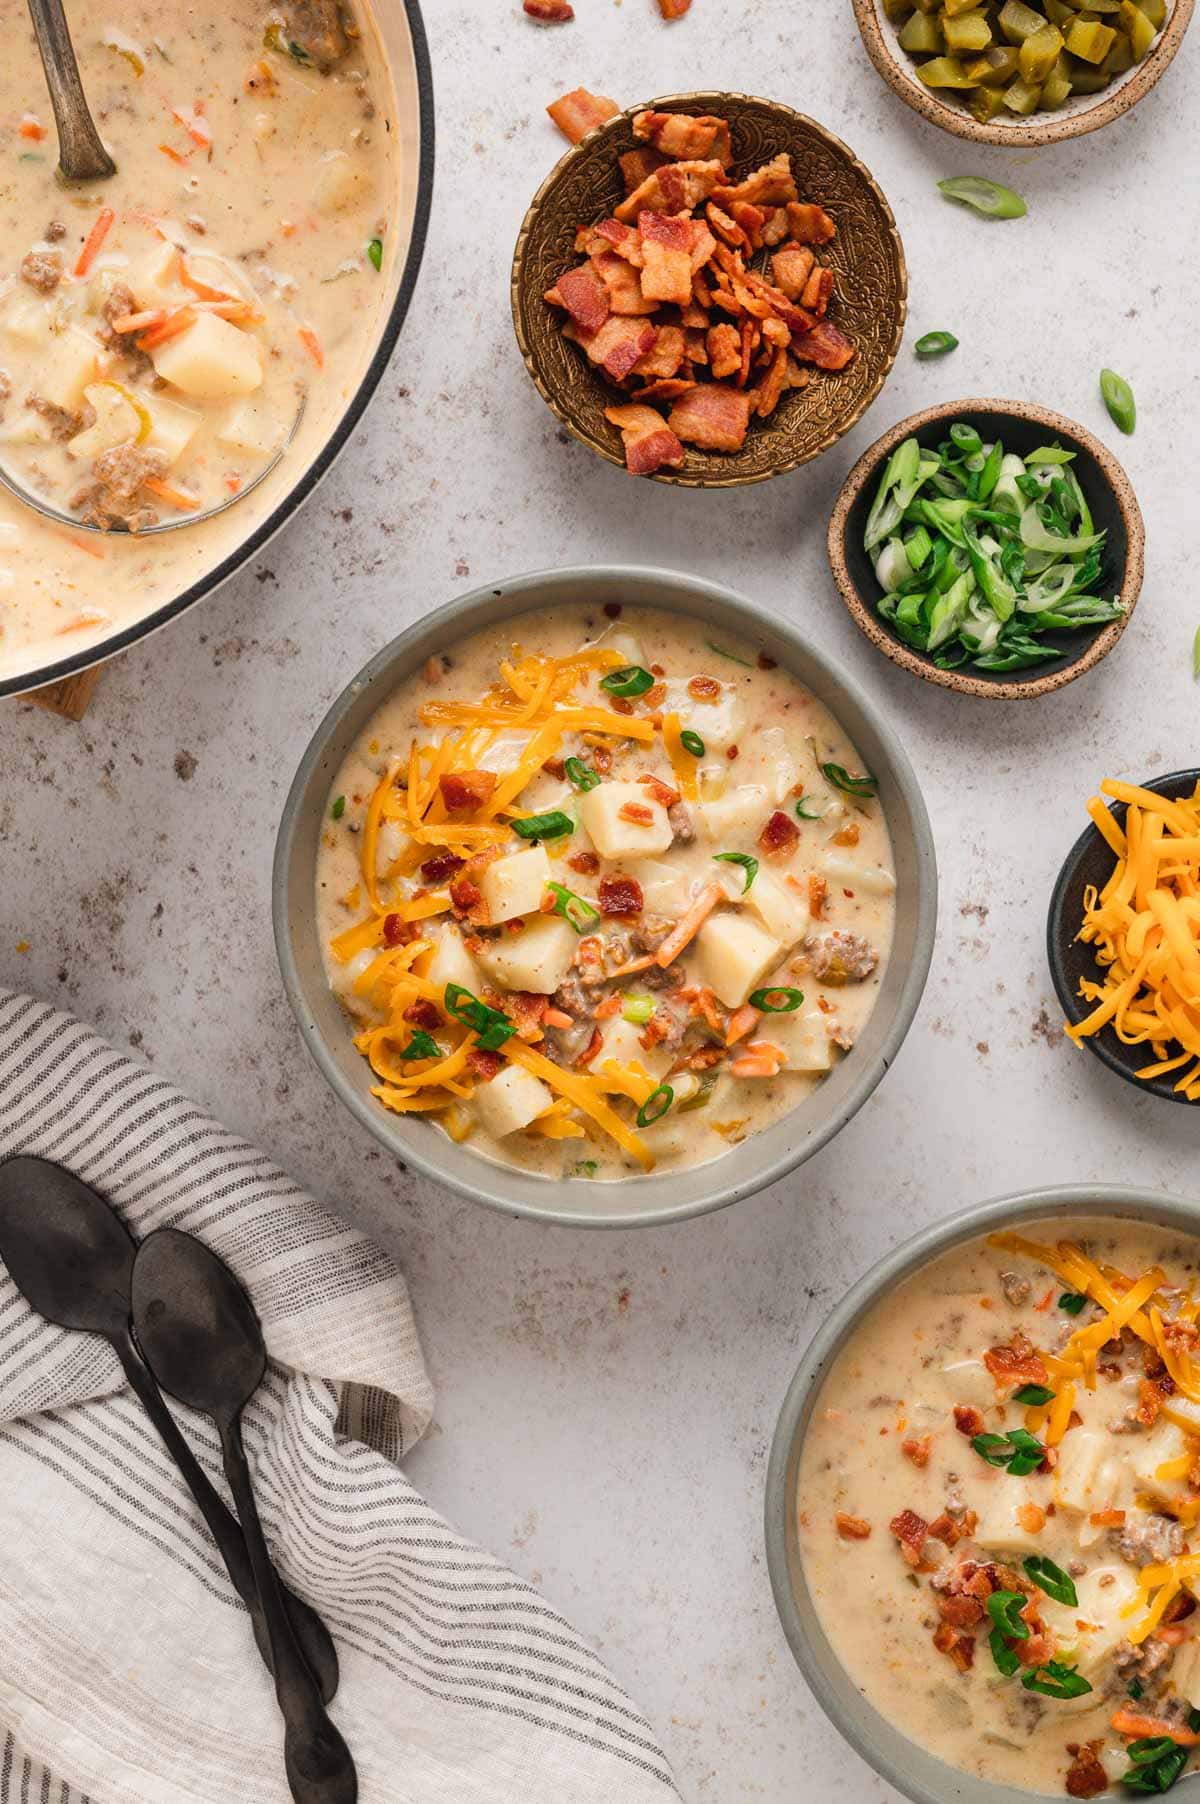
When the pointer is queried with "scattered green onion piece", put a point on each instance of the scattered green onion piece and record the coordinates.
(749, 865)
(863, 787)
(555, 825)
(1072, 1302)
(1051, 1579)
(804, 814)
(991, 199)
(776, 1000)
(1155, 1768)
(630, 680)
(493, 1027)
(421, 1046)
(492, 1038)
(935, 344)
(732, 656)
(692, 742)
(638, 1009)
(1118, 398)
(338, 809)
(576, 910)
(1136, 1689)
(664, 1096)
(1004, 1608)
(1018, 1452)
(580, 774)
(1053, 1680)
(1006, 1659)
(966, 438)
(375, 253)
(991, 1447)
(586, 1168)
(1033, 1395)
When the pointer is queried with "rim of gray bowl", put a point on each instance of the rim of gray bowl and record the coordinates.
(918, 1774)
(762, 1159)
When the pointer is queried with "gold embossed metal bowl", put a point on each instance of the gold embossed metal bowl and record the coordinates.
(867, 258)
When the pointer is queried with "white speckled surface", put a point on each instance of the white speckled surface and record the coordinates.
(606, 1402)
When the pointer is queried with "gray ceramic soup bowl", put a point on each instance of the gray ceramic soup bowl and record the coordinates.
(759, 1160)
(912, 1769)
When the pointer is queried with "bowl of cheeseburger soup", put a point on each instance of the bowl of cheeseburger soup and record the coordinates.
(210, 321)
(603, 897)
(983, 1503)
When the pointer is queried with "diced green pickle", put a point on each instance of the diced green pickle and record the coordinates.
(1022, 97)
(1058, 12)
(1090, 40)
(951, 9)
(922, 36)
(1056, 89)
(1040, 53)
(969, 31)
(945, 72)
(1086, 80)
(997, 66)
(895, 10)
(1155, 11)
(1120, 57)
(1141, 32)
(928, 6)
(985, 103)
(1018, 21)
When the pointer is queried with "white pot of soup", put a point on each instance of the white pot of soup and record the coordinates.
(231, 293)
(983, 1510)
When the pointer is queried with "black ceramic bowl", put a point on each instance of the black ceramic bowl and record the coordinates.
(1090, 861)
(1022, 427)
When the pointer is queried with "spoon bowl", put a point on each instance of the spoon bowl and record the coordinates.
(67, 1252)
(196, 1325)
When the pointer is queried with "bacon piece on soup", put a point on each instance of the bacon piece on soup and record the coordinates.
(1086, 1775)
(910, 1531)
(675, 188)
(968, 1420)
(584, 296)
(618, 344)
(809, 224)
(780, 837)
(484, 1064)
(684, 136)
(825, 346)
(620, 896)
(649, 443)
(1015, 1363)
(713, 417)
(959, 1649)
(771, 185)
(579, 112)
(666, 257)
(466, 790)
(852, 1528)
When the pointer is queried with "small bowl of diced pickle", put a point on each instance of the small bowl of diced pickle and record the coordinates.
(1022, 71)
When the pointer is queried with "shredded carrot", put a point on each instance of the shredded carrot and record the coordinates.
(312, 345)
(1046, 1300)
(704, 1004)
(174, 497)
(1128, 1722)
(690, 925)
(171, 327)
(611, 1006)
(637, 964)
(31, 127)
(94, 240)
(176, 156)
(202, 288)
(233, 483)
(92, 550)
(741, 1022)
(1107, 1519)
(193, 124)
(557, 1017)
(750, 1065)
(140, 322)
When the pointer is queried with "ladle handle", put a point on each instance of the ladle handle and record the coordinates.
(319, 1766)
(314, 1638)
(81, 155)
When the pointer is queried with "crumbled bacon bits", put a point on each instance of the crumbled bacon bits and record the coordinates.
(467, 790)
(959, 1649)
(1086, 1776)
(620, 896)
(918, 1451)
(780, 837)
(1015, 1364)
(670, 301)
(852, 1528)
(550, 12)
(968, 1420)
(638, 813)
(910, 1531)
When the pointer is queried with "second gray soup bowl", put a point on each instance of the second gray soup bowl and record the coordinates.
(912, 1768)
(657, 1198)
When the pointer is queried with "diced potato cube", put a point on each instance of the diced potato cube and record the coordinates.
(251, 428)
(154, 278)
(867, 879)
(627, 646)
(346, 976)
(616, 837)
(779, 766)
(26, 428)
(804, 1036)
(968, 1381)
(537, 958)
(1087, 1476)
(71, 363)
(718, 722)
(664, 888)
(783, 911)
(1164, 1443)
(1185, 1670)
(116, 423)
(515, 885)
(343, 180)
(511, 1100)
(211, 360)
(172, 428)
(452, 963)
(621, 1040)
(27, 320)
(998, 1529)
(1103, 1593)
(737, 815)
(733, 955)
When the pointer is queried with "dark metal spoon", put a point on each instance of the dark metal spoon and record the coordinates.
(204, 1344)
(81, 155)
(71, 1257)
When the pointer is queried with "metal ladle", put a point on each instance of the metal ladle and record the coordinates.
(82, 157)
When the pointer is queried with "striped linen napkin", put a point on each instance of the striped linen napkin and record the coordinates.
(128, 1673)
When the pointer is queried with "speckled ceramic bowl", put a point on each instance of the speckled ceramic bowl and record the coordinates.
(1090, 862)
(867, 257)
(914, 1770)
(1023, 427)
(1082, 114)
(659, 1198)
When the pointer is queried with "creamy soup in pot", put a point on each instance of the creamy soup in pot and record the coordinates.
(999, 1507)
(165, 332)
(602, 895)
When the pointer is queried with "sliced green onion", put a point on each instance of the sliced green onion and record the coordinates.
(655, 1106)
(991, 199)
(493, 1027)
(862, 787)
(421, 1046)
(576, 910)
(555, 825)
(1118, 398)
(338, 809)
(776, 1001)
(1136, 1689)
(749, 865)
(638, 1009)
(586, 1168)
(1033, 1395)
(375, 252)
(804, 813)
(692, 742)
(1052, 1580)
(1053, 1680)
(1072, 1302)
(1006, 1659)
(1049, 454)
(1004, 1608)
(935, 344)
(992, 1447)
(966, 438)
(731, 655)
(580, 774)
(630, 680)
(1157, 1764)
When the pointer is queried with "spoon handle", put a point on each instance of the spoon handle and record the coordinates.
(81, 155)
(314, 1638)
(319, 1766)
